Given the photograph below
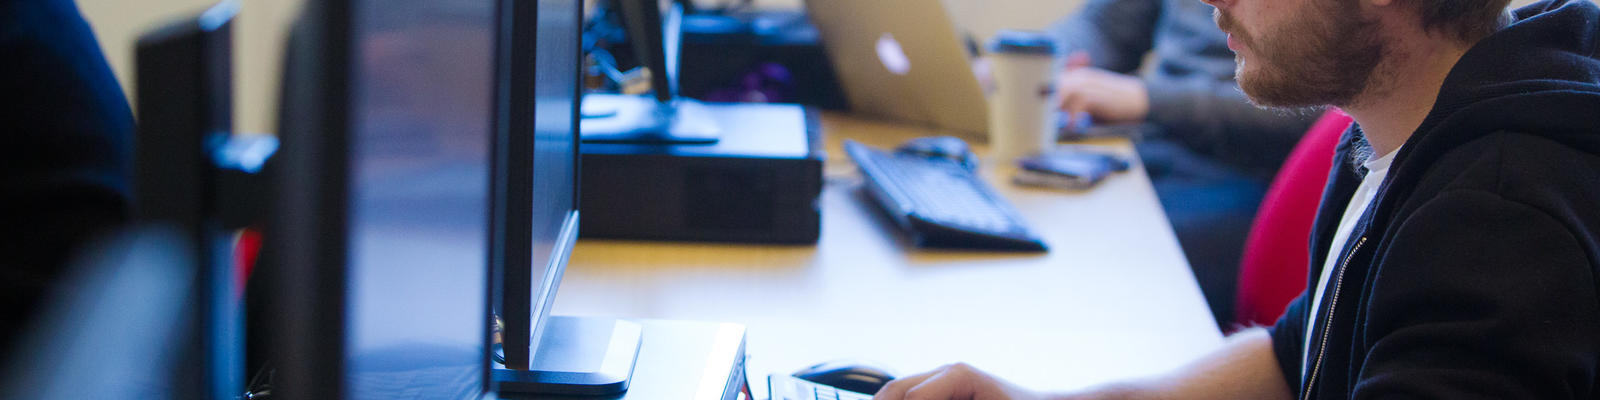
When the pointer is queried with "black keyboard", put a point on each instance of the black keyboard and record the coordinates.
(941, 203)
(784, 387)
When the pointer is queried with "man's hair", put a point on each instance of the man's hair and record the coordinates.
(1465, 20)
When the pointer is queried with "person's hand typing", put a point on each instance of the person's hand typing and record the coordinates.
(955, 381)
(1106, 96)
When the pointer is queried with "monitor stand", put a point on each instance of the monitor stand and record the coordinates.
(611, 118)
(577, 356)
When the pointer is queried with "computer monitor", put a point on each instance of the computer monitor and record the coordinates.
(428, 176)
(535, 177)
(665, 117)
(184, 179)
(378, 257)
(536, 211)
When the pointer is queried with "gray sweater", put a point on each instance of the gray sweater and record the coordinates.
(1193, 97)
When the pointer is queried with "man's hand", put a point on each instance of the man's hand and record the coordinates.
(955, 381)
(1106, 96)
(1244, 368)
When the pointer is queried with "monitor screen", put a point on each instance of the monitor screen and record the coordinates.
(555, 142)
(536, 205)
(420, 123)
(394, 199)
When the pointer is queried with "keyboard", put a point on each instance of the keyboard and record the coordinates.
(940, 203)
(784, 387)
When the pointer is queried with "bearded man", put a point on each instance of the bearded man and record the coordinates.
(1455, 253)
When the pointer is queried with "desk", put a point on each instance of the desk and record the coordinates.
(1113, 299)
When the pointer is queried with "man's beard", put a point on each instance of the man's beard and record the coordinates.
(1323, 58)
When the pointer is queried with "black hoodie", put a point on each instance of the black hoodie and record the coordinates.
(1473, 274)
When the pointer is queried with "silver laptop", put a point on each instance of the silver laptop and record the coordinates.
(902, 60)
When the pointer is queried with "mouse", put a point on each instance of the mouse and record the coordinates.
(949, 147)
(855, 376)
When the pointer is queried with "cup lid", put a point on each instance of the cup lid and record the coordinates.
(1022, 42)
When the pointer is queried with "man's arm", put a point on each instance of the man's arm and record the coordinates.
(1212, 116)
(1204, 108)
(1244, 368)
(1116, 34)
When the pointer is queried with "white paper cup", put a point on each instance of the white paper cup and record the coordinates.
(1021, 115)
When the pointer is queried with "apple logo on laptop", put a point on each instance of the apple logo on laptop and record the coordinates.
(892, 56)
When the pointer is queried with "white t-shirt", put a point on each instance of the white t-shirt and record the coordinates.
(1376, 170)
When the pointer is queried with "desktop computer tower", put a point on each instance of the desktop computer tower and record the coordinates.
(759, 183)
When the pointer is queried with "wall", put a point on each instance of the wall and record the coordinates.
(259, 33)
(263, 24)
(982, 17)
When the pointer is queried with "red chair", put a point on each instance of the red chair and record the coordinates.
(246, 249)
(1272, 271)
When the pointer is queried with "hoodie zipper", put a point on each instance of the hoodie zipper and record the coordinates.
(1333, 302)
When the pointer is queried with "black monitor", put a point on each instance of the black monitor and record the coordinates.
(186, 178)
(536, 211)
(377, 260)
(536, 214)
(428, 180)
(665, 117)
(656, 42)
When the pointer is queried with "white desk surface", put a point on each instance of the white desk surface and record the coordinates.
(1113, 298)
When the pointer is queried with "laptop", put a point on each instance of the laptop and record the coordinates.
(902, 60)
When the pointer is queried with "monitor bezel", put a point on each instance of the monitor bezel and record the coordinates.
(307, 244)
(184, 69)
(522, 304)
(308, 248)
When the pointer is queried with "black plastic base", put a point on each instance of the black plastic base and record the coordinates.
(577, 356)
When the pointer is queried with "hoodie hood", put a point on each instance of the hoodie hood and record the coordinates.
(1537, 76)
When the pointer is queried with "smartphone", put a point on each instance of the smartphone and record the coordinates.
(1067, 170)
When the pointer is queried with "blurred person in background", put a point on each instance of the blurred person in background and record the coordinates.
(1164, 65)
